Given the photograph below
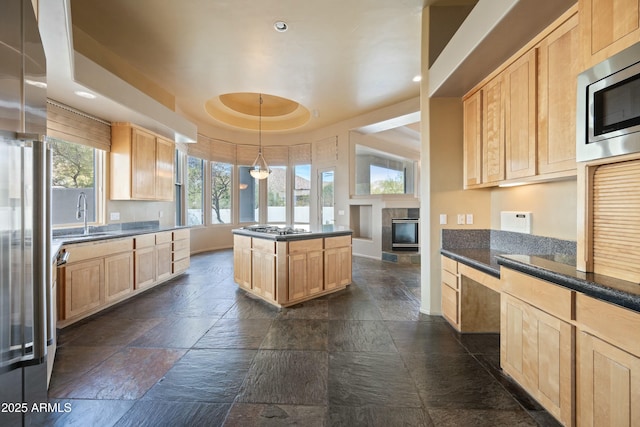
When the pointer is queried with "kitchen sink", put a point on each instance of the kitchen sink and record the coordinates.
(78, 236)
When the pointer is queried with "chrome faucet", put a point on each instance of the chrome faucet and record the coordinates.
(82, 210)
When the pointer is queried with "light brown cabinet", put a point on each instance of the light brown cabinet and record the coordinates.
(520, 117)
(337, 262)
(100, 274)
(141, 164)
(263, 266)
(181, 250)
(242, 269)
(305, 268)
(472, 128)
(608, 364)
(118, 276)
(608, 26)
(559, 62)
(525, 130)
(285, 273)
(449, 290)
(537, 341)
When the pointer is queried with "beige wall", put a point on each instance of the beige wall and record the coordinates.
(552, 204)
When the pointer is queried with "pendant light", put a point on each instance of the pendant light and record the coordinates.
(260, 168)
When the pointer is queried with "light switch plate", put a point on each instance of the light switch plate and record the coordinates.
(520, 222)
(469, 218)
(460, 219)
(114, 216)
(443, 219)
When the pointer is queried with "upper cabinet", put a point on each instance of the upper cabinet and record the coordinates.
(141, 164)
(608, 26)
(525, 127)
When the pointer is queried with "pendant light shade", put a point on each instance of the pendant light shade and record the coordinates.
(260, 168)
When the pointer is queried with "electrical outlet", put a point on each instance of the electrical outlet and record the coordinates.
(460, 219)
(443, 219)
(160, 213)
(114, 216)
(469, 218)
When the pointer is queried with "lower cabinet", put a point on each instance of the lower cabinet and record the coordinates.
(305, 268)
(536, 350)
(145, 261)
(84, 287)
(164, 255)
(608, 384)
(337, 262)
(118, 276)
(537, 341)
(242, 270)
(264, 268)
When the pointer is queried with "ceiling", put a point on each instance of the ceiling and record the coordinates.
(338, 59)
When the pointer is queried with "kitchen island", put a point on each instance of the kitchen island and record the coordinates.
(286, 266)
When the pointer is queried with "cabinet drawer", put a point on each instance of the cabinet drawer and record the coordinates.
(180, 245)
(81, 252)
(337, 242)
(181, 254)
(450, 304)
(264, 245)
(449, 264)
(300, 246)
(450, 279)
(546, 296)
(181, 234)
(145, 240)
(182, 265)
(241, 241)
(165, 237)
(611, 323)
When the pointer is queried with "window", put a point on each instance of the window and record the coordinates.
(277, 195)
(179, 171)
(195, 191)
(248, 195)
(301, 195)
(76, 169)
(379, 172)
(221, 185)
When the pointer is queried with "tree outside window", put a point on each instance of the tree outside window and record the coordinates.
(74, 172)
(221, 180)
(195, 191)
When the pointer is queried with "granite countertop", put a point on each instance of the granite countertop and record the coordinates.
(544, 258)
(325, 231)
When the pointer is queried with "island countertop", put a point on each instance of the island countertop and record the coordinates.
(287, 233)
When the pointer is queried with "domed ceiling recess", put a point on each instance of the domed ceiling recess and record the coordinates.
(242, 110)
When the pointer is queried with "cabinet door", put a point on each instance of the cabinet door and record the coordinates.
(608, 26)
(558, 68)
(337, 267)
(492, 131)
(143, 153)
(145, 262)
(242, 261)
(315, 272)
(264, 274)
(536, 350)
(450, 305)
(298, 276)
(608, 384)
(83, 287)
(520, 116)
(118, 276)
(472, 122)
(164, 176)
(164, 258)
(344, 266)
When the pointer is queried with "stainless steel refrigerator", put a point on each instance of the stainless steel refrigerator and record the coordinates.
(24, 224)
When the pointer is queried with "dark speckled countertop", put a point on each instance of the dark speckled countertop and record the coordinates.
(545, 258)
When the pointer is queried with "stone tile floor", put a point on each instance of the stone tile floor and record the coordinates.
(197, 351)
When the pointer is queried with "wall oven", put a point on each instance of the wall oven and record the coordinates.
(608, 107)
(404, 234)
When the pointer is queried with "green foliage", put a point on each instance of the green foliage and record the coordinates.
(73, 165)
(388, 186)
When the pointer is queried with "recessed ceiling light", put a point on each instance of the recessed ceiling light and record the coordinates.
(280, 26)
(417, 78)
(83, 94)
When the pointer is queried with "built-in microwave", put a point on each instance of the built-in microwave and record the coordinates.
(608, 107)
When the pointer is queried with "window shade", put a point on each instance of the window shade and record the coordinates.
(246, 154)
(276, 155)
(327, 150)
(300, 154)
(616, 220)
(68, 124)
